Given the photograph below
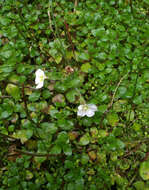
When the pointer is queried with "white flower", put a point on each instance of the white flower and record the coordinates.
(39, 80)
(86, 109)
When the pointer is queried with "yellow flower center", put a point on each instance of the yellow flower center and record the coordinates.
(85, 107)
(41, 78)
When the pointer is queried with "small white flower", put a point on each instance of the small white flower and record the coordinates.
(39, 80)
(86, 109)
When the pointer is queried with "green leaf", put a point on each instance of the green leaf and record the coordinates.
(13, 90)
(86, 67)
(144, 170)
(56, 149)
(58, 59)
(122, 90)
(84, 56)
(98, 32)
(139, 185)
(120, 106)
(60, 87)
(138, 100)
(4, 21)
(67, 150)
(112, 119)
(46, 94)
(102, 108)
(34, 96)
(84, 140)
(14, 78)
(136, 126)
(65, 124)
(71, 95)
(23, 135)
(29, 175)
(84, 158)
(49, 128)
(62, 138)
(114, 143)
(101, 56)
(74, 83)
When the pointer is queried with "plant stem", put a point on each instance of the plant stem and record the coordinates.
(112, 100)
(36, 154)
(69, 37)
(82, 101)
(8, 136)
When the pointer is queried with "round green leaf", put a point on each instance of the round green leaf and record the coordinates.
(144, 170)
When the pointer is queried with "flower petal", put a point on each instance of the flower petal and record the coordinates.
(81, 113)
(39, 72)
(89, 113)
(80, 107)
(40, 85)
(37, 80)
(93, 107)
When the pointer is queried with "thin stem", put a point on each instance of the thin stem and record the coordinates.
(82, 101)
(115, 91)
(7, 136)
(69, 37)
(75, 5)
(50, 21)
(112, 100)
(33, 153)
(2, 97)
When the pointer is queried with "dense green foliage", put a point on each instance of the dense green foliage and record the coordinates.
(92, 50)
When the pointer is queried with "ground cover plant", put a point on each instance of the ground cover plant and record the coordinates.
(74, 94)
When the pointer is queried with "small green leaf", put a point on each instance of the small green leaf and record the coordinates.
(112, 119)
(74, 83)
(84, 140)
(23, 135)
(29, 175)
(86, 67)
(56, 149)
(101, 56)
(13, 90)
(139, 185)
(144, 170)
(84, 56)
(58, 59)
(67, 150)
(34, 96)
(122, 90)
(49, 128)
(84, 158)
(4, 115)
(71, 95)
(102, 108)
(62, 138)
(136, 126)
(46, 94)
(4, 21)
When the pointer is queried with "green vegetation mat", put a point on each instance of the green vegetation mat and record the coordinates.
(87, 126)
